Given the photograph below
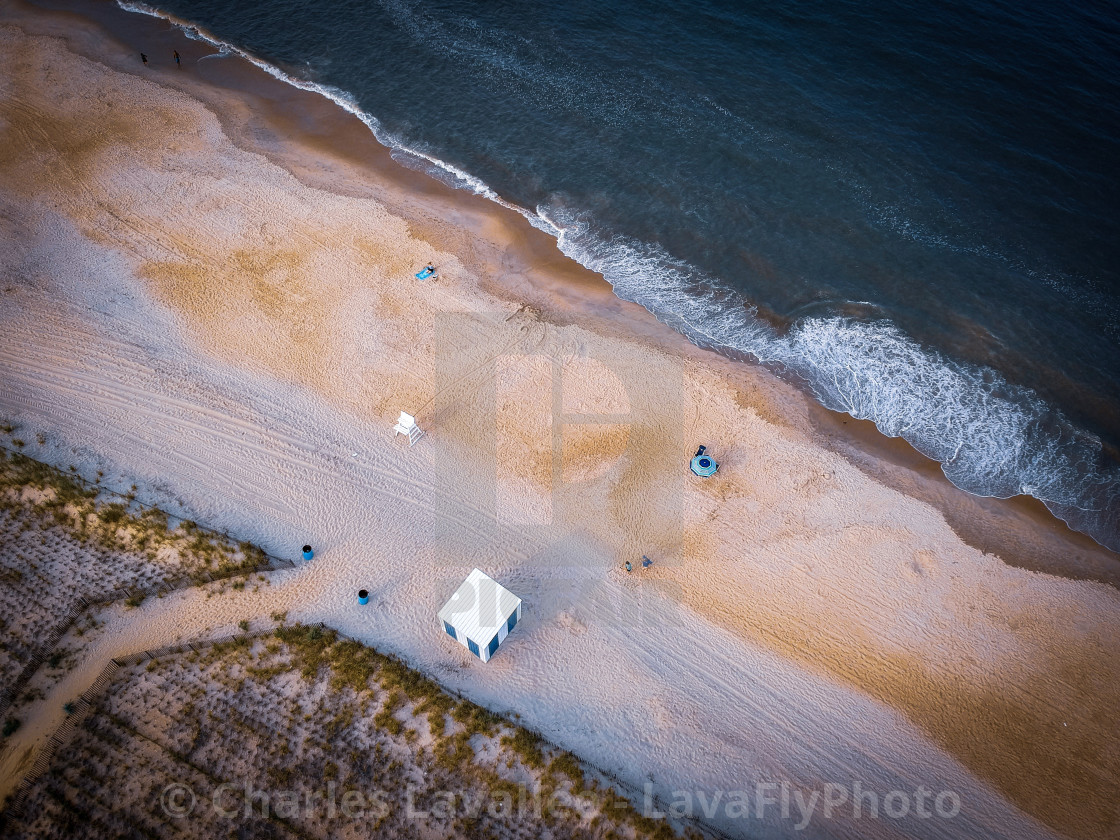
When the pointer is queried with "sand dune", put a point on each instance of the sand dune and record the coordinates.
(188, 313)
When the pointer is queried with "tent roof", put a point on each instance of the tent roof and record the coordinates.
(479, 607)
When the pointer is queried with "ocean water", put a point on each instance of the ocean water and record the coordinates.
(910, 208)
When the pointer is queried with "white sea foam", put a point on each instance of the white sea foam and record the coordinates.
(454, 175)
(991, 438)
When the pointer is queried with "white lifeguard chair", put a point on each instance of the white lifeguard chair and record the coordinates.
(407, 426)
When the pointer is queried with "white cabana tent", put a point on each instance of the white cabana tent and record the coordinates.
(480, 614)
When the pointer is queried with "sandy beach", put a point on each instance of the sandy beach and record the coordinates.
(208, 290)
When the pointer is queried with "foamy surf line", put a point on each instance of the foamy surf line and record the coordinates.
(991, 438)
(454, 176)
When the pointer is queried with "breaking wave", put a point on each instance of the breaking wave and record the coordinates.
(991, 437)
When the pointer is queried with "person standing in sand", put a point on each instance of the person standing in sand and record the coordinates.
(178, 63)
(144, 58)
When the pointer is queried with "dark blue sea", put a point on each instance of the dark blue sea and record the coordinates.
(909, 207)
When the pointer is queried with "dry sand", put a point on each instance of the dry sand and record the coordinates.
(240, 335)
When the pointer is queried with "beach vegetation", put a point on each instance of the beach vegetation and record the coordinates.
(303, 706)
(386, 719)
(94, 543)
(476, 719)
(566, 765)
(526, 745)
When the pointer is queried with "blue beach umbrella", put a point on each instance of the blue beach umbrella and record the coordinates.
(703, 465)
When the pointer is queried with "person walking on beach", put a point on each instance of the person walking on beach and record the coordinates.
(177, 62)
(144, 58)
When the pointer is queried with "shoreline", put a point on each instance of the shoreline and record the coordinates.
(523, 265)
(819, 543)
